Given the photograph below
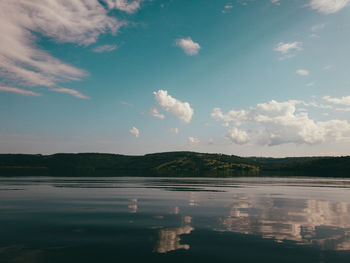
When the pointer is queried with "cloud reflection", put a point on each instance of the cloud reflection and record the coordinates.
(133, 206)
(325, 224)
(169, 238)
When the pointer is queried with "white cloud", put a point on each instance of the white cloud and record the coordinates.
(189, 47)
(288, 50)
(317, 27)
(285, 48)
(72, 92)
(275, 123)
(104, 48)
(227, 8)
(276, 2)
(135, 131)
(237, 136)
(124, 5)
(317, 105)
(328, 6)
(340, 101)
(193, 140)
(175, 130)
(302, 72)
(19, 91)
(182, 110)
(23, 63)
(154, 112)
(314, 36)
(126, 103)
(310, 84)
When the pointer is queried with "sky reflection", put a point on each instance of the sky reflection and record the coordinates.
(148, 212)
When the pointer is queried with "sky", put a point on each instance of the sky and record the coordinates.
(242, 77)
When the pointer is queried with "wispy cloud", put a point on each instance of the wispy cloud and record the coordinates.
(126, 103)
(340, 101)
(72, 92)
(180, 109)
(227, 7)
(288, 49)
(188, 46)
(328, 6)
(23, 63)
(302, 72)
(276, 2)
(327, 67)
(124, 5)
(317, 27)
(155, 113)
(104, 48)
(19, 91)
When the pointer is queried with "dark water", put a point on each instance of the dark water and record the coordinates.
(174, 220)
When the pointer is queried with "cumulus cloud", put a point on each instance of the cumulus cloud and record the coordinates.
(275, 123)
(104, 48)
(276, 2)
(302, 72)
(72, 92)
(135, 131)
(289, 49)
(182, 110)
(340, 101)
(193, 140)
(23, 63)
(19, 91)
(328, 6)
(188, 45)
(237, 136)
(154, 112)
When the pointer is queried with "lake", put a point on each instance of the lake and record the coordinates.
(64, 219)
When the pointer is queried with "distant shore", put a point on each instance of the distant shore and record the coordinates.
(169, 164)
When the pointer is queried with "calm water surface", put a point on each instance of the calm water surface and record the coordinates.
(174, 220)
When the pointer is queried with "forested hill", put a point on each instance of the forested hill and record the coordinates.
(168, 164)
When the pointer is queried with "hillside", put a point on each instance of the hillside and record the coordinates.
(166, 164)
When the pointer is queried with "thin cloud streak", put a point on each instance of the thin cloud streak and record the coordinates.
(104, 48)
(19, 91)
(72, 92)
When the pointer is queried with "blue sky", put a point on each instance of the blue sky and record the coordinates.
(258, 77)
